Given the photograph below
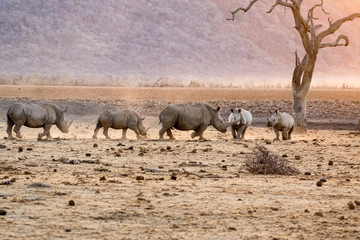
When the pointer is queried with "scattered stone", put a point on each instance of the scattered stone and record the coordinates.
(88, 154)
(284, 155)
(331, 163)
(232, 228)
(102, 170)
(357, 202)
(319, 214)
(2, 146)
(6, 183)
(120, 144)
(131, 148)
(319, 183)
(139, 178)
(152, 170)
(173, 176)
(103, 178)
(322, 179)
(306, 210)
(297, 157)
(95, 145)
(351, 205)
(341, 218)
(22, 158)
(29, 149)
(174, 226)
(348, 180)
(21, 149)
(2, 212)
(117, 154)
(307, 173)
(193, 151)
(168, 148)
(274, 208)
(71, 203)
(13, 180)
(27, 173)
(141, 154)
(39, 185)
(267, 141)
(67, 230)
(90, 161)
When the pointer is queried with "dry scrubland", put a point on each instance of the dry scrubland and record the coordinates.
(181, 189)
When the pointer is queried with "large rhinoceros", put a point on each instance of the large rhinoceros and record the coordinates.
(191, 117)
(244, 117)
(281, 121)
(120, 119)
(35, 115)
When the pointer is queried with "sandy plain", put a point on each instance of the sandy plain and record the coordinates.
(220, 200)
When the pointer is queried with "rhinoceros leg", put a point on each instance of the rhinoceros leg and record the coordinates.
(284, 134)
(17, 129)
(290, 132)
(106, 133)
(243, 133)
(277, 134)
(96, 131)
(240, 133)
(9, 130)
(199, 132)
(169, 133)
(46, 131)
(124, 134)
(233, 132)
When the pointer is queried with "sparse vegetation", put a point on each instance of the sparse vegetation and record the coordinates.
(263, 161)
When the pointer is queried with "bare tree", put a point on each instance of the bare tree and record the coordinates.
(312, 40)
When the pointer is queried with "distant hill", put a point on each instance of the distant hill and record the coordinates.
(131, 42)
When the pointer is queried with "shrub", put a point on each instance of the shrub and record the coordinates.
(263, 161)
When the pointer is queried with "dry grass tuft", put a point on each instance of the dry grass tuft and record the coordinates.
(263, 161)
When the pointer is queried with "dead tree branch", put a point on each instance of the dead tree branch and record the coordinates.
(337, 42)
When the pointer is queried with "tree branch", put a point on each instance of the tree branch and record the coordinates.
(282, 3)
(335, 26)
(337, 42)
(242, 9)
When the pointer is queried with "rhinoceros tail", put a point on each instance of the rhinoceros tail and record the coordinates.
(98, 124)
(8, 118)
(161, 116)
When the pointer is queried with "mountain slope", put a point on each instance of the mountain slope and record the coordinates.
(145, 39)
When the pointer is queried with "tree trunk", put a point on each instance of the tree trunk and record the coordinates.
(300, 86)
(299, 112)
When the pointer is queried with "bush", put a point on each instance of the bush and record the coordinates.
(263, 161)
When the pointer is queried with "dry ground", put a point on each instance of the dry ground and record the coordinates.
(221, 200)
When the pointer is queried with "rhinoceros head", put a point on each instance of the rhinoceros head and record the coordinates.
(274, 119)
(61, 124)
(218, 122)
(142, 129)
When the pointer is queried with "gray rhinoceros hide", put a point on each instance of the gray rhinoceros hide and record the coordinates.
(283, 122)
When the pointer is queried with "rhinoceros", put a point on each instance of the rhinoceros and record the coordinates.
(36, 115)
(244, 119)
(120, 119)
(281, 121)
(191, 117)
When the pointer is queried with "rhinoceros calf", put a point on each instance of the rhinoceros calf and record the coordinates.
(281, 121)
(121, 119)
(35, 116)
(190, 117)
(243, 120)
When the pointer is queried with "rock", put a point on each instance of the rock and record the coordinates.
(267, 141)
(39, 185)
(331, 163)
(2, 146)
(139, 178)
(193, 151)
(29, 149)
(21, 149)
(322, 179)
(2, 212)
(297, 157)
(357, 202)
(88, 154)
(131, 148)
(168, 148)
(351, 205)
(319, 183)
(95, 145)
(284, 155)
(307, 173)
(319, 214)
(173, 176)
(71, 203)
(306, 210)
(232, 228)
(6, 183)
(341, 218)
(67, 230)
(103, 178)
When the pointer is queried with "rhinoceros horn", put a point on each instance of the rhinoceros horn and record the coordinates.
(232, 123)
(146, 130)
(69, 124)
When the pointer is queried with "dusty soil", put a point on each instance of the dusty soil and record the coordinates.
(183, 189)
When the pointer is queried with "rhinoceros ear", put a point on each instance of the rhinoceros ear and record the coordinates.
(232, 110)
(64, 110)
(276, 111)
(270, 111)
(142, 118)
(218, 108)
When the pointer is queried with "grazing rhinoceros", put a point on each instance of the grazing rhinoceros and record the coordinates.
(244, 119)
(35, 115)
(121, 119)
(281, 121)
(191, 117)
